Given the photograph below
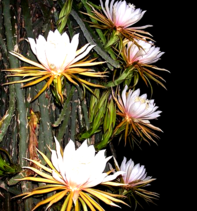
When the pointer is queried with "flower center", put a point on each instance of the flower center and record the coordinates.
(128, 118)
(131, 6)
(73, 189)
(54, 69)
(52, 66)
(142, 101)
(119, 28)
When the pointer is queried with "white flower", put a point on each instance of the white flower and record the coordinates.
(136, 111)
(135, 179)
(71, 175)
(138, 107)
(147, 54)
(57, 53)
(123, 15)
(134, 173)
(59, 59)
(80, 169)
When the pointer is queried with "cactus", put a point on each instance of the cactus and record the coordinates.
(68, 108)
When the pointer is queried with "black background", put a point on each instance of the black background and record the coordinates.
(165, 161)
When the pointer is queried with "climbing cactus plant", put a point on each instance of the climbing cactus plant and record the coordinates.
(69, 73)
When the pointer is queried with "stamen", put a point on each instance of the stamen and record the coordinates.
(52, 66)
(131, 6)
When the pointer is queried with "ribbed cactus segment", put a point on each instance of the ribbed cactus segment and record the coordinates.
(73, 117)
(65, 107)
(10, 111)
(84, 111)
(45, 122)
(21, 104)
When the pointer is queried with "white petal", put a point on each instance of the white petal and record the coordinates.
(124, 98)
(56, 177)
(54, 159)
(41, 51)
(83, 54)
(32, 44)
(113, 176)
(69, 151)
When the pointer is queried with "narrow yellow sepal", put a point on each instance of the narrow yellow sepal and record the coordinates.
(37, 81)
(47, 200)
(38, 179)
(86, 201)
(93, 202)
(69, 207)
(40, 173)
(58, 197)
(40, 165)
(47, 190)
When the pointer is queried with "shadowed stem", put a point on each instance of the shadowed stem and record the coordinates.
(21, 107)
(84, 107)
(45, 120)
(65, 107)
(65, 114)
(74, 115)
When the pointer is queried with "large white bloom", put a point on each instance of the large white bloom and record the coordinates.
(57, 52)
(80, 169)
(123, 15)
(71, 175)
(138, 107)
(147, 54)
(134, 173)
(59, 59)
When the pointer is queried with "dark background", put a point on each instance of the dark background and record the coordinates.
(165, 161)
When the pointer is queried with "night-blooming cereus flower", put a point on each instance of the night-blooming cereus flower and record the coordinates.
(120, 16)
(59, 59)
(135, 179)
(136, 111)
(142, 54)
(73, 173)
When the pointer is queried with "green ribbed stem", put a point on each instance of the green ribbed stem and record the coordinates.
(83, 103)
(74, 115)
(44, 104)
(20, 98)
